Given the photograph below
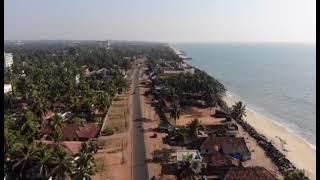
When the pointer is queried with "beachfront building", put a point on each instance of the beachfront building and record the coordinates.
(183, 154)
(232, 146)
(8, 60)
(7, 88)
(168, 72)
(218, 164)
(227, 129)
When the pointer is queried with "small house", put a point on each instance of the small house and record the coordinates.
(233, 146)
(183, 154)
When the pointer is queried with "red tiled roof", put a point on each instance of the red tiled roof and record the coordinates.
(72, 131)
(90, 130)
(249, 173)
(227, 144)
(218, 160)
(71, 147)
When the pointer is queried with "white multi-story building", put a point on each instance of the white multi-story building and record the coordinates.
(77, 78)
(7, 88)
(8, 60)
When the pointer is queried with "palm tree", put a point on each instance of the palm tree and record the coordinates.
(44, 157)
(296, 174)
(30, 128)
(189, 168)
(40, 105)
(238, 110)
(88, 147)
(55, 125)
(24, 160)
(84, 166)
(75, 103)
(181, 138)
(194, 127)
(63, 165)
(103, 101)
(175, 112)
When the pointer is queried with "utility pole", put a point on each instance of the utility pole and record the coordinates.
(122, 153)
(125, 118)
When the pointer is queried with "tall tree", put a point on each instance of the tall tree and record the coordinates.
(63, 165)
(181, 138)
(238, 110)
(56, 126)
(29, 128)
(24, 161)
(194, 126)
(188, 168)
(84, 166)
(176, 111)
(44, 158)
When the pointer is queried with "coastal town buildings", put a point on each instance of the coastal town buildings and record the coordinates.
(234, 146)
(77, 78)
(7, 88)
(8, 60)
(182, 155)
(75, 132)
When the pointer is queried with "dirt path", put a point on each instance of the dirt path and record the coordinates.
(151, 121)
(114, 158)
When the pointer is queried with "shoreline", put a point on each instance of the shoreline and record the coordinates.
(270, 117)
(290, 144)
(287, 141)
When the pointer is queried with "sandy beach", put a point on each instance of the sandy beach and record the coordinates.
(298, 151)
(294, 147)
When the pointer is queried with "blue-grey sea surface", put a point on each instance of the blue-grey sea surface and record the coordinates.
(275, 80)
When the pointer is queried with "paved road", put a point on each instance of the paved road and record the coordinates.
(140, 170)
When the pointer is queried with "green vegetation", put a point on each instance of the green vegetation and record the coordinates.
(55, 78)
(176, 111)
(199, 86)
(189, 168)
(238, 110)
(296, 174)
(193, 127)
(163, 155)
(108, 131)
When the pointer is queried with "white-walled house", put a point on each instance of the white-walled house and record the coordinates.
(183, 154)
(8, 60)
(7, 88)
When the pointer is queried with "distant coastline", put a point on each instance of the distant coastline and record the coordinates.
(286, 140)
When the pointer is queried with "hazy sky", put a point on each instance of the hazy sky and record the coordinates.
(161, 20)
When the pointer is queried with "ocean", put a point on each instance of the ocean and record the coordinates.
(275, 80)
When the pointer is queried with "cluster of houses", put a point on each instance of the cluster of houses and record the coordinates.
(73, 133)
(106, 74)
(220, 154)
(8, 62)
(166, 68)
(217, 147)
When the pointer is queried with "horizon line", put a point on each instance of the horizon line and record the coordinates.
(169, 42)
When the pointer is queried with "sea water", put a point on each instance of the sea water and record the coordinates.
(275, 80)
